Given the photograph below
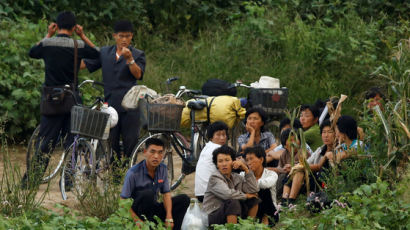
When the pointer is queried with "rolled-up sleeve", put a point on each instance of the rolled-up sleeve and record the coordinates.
(139, 59)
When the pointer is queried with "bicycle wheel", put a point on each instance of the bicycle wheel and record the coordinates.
(175, 152)
(78, 170)
(103, 169)
(56, 156)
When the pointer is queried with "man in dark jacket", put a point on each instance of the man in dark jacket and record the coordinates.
(58, 55)
(122, 65)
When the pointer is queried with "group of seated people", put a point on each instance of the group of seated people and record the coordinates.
(264, 174)
(253, 181)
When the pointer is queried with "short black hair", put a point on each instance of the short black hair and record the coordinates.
(214, 127)
(123, 26)
(372, 92)
(286, 121)
(314, 109)
(66, 20)
(285, 135)
(261, 113)
(224, 149)
(258, 151)
(324, 124)
(347, 125)
(154, 141)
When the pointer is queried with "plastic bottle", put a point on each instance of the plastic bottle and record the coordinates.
(106, 134)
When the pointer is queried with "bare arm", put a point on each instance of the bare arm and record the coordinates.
(168, 208)
(134, 68)
(80, 33)
(270, 156)
(251, 137)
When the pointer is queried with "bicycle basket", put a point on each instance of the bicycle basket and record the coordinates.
(88, 122)
(273, 101)
(164, 117)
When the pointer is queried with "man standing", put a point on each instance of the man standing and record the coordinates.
(58, 55)
(122, 65)
(143, 182)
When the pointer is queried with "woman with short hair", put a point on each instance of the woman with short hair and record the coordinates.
(229, 195)
(217, 134)
(256, 119)
(256, 161)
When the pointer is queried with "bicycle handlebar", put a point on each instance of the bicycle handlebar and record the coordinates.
(171, 79)
(90, 82)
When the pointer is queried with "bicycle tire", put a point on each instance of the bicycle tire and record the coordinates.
(103, 156)
(175, 177)
(56, 156)
(79, 168)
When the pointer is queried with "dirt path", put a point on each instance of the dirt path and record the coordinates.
(53, 195)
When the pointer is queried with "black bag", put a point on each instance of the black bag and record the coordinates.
(57, 100)
(217, 87)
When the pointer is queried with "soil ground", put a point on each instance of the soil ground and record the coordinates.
(17, 155)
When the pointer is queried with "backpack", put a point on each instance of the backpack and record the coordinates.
(217, 87)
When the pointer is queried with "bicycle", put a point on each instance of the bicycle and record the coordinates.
(57, 154)
(174, 141)
(272, 100)
(89, 156)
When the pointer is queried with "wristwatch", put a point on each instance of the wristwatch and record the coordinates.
(169, 220)
(131, 62)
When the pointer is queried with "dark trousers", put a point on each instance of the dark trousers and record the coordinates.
(52, 130)
(238, 208)
(146, 205)
(128, 128)
(266, 207)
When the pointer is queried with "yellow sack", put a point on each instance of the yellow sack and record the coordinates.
(223, 108)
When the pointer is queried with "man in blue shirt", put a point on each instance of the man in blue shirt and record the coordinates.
(122, 65)
(143, 182)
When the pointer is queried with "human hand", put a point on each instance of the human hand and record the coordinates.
(239, 164)
(52, 28)
(287, 168)
(251, 195)
(79, 30)
(329, 156)
(249, 128)
(169, 224)
(126, 53)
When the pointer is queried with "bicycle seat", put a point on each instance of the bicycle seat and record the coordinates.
(196, 105)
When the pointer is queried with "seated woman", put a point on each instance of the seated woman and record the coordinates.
(256, 161)
(256, 134)
(346, 134)
(217, 134)
(290, 139)
(309, 116)
(229, 195)
(315, 161)
(272, 157)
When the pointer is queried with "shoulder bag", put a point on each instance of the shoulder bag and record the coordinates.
(58, 100)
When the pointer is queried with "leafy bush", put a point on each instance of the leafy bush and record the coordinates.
(373, 206)
(21, 76)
